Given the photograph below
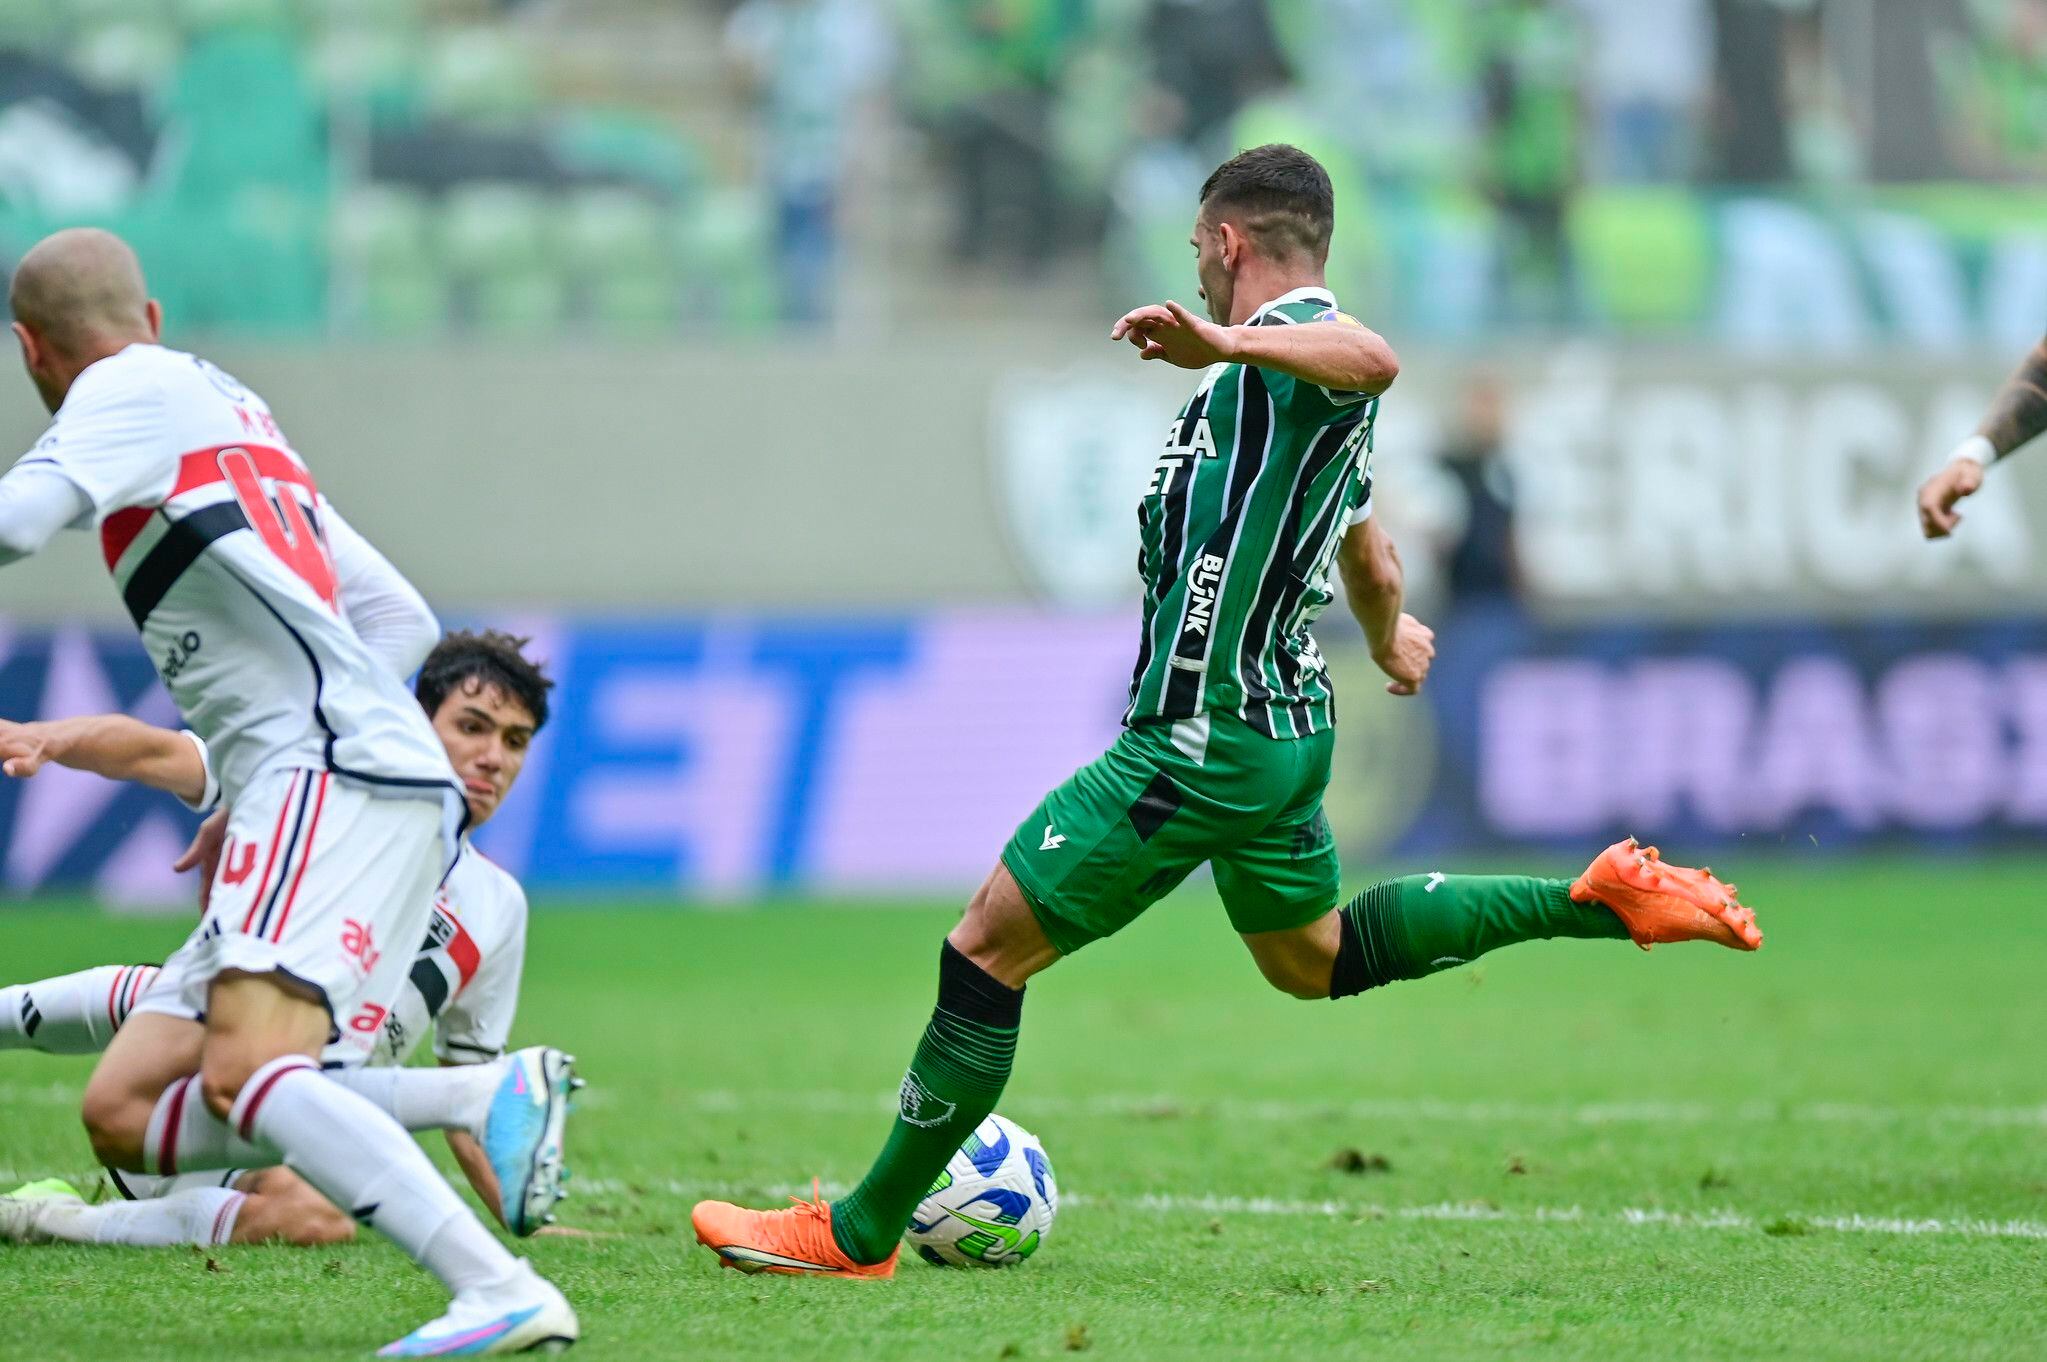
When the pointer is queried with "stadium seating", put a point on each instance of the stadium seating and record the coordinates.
(362, 148)
(256, 134)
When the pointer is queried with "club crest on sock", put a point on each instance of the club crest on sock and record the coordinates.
(920, 1106)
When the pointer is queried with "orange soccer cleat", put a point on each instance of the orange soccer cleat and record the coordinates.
(1660, 902)
(797, 1241)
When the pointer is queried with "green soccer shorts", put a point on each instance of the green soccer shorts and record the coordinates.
(1129, 826)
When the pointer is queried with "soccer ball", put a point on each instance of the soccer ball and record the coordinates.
(992, 1206)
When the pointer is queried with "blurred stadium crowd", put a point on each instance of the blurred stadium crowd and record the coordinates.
(1661, 167)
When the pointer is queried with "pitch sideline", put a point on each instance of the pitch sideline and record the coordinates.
(1469, 1212)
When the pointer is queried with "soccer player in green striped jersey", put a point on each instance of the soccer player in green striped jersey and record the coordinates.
(1262, 490)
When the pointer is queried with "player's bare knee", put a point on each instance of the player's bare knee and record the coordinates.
(1297, 981)
(116, 1122)
(1000, 934)
(116, 1125)
(1298, 976)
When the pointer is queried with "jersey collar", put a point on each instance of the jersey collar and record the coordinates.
(1311, 294)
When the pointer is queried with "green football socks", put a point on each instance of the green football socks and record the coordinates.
(1410, 928)
(960, 1069)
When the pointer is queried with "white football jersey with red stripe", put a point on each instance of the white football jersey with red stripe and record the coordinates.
(217, 538)
(464, 985)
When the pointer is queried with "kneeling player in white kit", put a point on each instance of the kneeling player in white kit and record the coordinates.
(486, 700)
(253, 596)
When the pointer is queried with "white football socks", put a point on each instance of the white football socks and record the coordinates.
(149, 1187)
(184, 1136)
(200, 1215)
(455, 1098)
(72, 1014)
(363, 1161)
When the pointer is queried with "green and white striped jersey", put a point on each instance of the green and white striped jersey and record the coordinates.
(1260, 478)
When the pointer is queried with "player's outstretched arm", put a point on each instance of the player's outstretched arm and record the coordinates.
(1375, 585)
(36, 502)
(110, 745)
(468, 1152)
(476, 1166)
(1341, 356)
(2017, 415)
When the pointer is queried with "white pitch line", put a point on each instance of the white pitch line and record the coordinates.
(1457, 1212)
(1293, 1112)
(1282, 1111)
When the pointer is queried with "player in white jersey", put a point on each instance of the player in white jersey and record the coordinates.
(486, 700)
(256, 601)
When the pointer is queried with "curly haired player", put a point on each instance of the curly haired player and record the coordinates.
(487, 700)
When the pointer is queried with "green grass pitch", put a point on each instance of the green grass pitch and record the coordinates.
(1836, 1149)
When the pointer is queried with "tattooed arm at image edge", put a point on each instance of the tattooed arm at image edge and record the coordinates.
(2019, 412)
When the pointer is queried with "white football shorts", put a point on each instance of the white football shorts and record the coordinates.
(326, 883)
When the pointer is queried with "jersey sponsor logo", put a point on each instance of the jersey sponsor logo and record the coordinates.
(1436, 878)
(1186, 441)
(1202, 582)
(180, 656)
(358, 943)
(369, 1019)
(1053, 840)
(1330, 314)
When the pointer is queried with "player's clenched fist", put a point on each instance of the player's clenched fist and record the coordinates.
(1938, 495)
(1408, 656)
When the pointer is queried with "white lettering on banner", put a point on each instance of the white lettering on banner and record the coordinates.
(1853, 444)
(1689, 723)
(1695, 490)
(1679, 527)
(1814, 747)
(1933, 742)
(1543, 737)
(1563, 460)
(1946, 739)
(1762, 451)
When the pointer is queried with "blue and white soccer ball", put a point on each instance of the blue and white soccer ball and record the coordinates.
(993, 1205)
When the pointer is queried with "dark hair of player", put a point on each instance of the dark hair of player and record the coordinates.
(1281, 197)
(488, 658)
